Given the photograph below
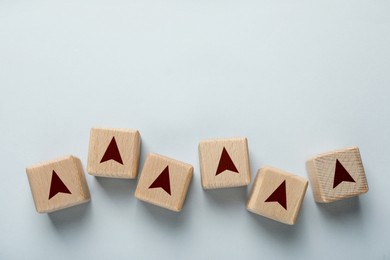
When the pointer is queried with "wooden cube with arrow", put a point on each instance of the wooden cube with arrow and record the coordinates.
(277, 195)
(58, 184)
(164, 182)
(114, 153)
(337, 175)
(224, 163)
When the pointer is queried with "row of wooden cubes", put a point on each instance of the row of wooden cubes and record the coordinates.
(224, 163)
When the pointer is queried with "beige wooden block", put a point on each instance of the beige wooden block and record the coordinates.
(337, 175)
(58, 184)
(114, 153)
(164, 182)
(224, 163)
(277, 195)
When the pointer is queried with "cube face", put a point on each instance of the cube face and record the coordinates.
(164, 182)
(58, 184)
(224, 163)
(114, 153)
(277, 195)
(337, 175)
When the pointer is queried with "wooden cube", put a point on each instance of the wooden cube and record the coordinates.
(58, 184)
(114, 153)
(224, 163)
(337, 175)
(164, 182)
(277, 195)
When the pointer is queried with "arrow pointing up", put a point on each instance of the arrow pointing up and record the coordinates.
(57, 186)
(225, 163)
(341, 174)
(162, 181)
(112, 153)
(279, 195)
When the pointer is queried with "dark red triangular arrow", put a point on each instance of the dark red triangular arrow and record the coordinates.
(112, 153)
(279, 195)
(162, 181)
(341, 174)
(57, 186)
(225, 163)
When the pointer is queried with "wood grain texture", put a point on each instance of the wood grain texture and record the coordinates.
(180, 176)
(267, 180)
(128, 142)
(210, 152)
(321, 171)
(70, 171)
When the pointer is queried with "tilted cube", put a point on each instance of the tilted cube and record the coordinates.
(337, 175)
(277, 195)
(164, 182)
(58, 184)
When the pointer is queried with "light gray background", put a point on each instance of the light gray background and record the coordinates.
(297, 78)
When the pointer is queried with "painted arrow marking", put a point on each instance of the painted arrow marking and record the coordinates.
(112, 153)
(162, 181)
(341, 174)
(225, 163)
(279, 195)
(57, 186)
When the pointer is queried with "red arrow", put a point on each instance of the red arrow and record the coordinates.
(341, 174)
(279, 195)
(112, 153)
(162, 181)
(57, 186)
(225, 163)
